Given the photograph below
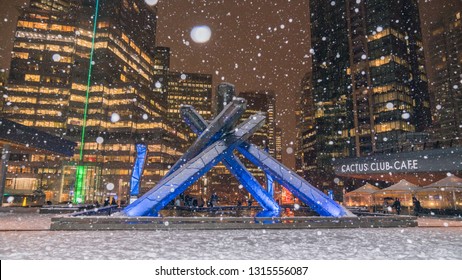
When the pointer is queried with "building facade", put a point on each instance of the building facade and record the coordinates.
(445, 76)
(189, 89)
(219, 179)
(306, 153)
(369, 82)
(99, 81)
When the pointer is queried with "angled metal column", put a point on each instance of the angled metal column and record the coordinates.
(138, 168)
(269, 184)
(307, 193)
(174, 184)
(234, 165)
(212, 132)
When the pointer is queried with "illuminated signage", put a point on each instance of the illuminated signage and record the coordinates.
(398, 165)
(434, 160)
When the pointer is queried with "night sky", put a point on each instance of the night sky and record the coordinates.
(255, 44)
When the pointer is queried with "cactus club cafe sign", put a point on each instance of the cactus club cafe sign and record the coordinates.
(435, 161)
(397, 165)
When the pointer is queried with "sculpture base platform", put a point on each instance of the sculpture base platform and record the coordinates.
(227, 223)
(65, 209)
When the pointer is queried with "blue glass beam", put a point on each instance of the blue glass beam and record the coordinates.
(213, 131)
(269, 180)
(138, 167)
(234, 165)
(177, 182)
(269, 185)
(307, 193)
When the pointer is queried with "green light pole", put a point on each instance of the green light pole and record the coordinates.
(79, 189)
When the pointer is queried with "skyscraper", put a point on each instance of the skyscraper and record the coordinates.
(261, 101)
(306, 156)
(445, 76)
(91, 74)
(191, 89)
(219, 178)
(369, 82)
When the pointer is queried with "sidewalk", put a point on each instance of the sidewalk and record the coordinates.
(439, 222)
(24, 221)
(28, 219)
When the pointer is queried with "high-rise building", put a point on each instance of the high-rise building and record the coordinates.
(96, 80)
(369, 82)
(219, 178)
(278, 143)
(262, 101)
(189, 89)
(306, 153)
(445, 75)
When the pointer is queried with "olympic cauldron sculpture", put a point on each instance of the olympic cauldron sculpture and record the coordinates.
(217, 140)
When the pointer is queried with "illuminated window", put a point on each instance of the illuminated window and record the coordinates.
(21, 55)
(103, 24)
(29, 46)
(32, 78)
(65, 28)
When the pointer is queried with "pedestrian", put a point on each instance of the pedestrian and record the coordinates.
(96, 203)
(417, 206)
(249, 202)
(385, 207)
(213, 199)
(106, 201)
(239, 203)
(397, 206)
(114, 201)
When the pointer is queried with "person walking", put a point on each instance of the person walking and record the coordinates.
(385, 207)
(417, 206)
(213, 199)
(397, 206)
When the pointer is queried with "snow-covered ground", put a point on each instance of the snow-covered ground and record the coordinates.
(408, 243)
(25, 221)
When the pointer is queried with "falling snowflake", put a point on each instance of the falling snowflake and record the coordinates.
(201, 34)
(110, 186)
(151, 2)
(56, 57)
(115, 117)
